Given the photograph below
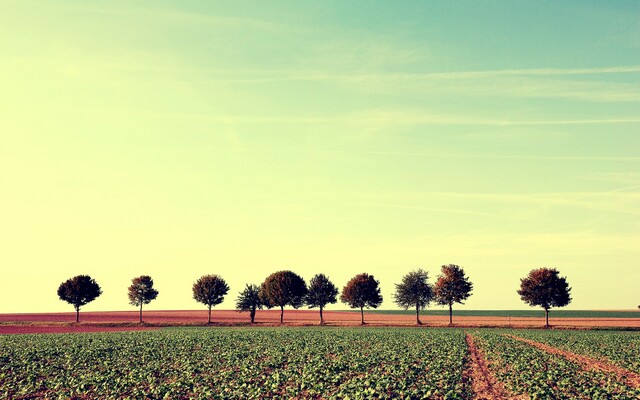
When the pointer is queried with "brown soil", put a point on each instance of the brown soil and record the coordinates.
(484, 383)
(295, 318)
(630, 378)
(17, 329)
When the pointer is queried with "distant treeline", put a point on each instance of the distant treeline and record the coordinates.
(542, 287)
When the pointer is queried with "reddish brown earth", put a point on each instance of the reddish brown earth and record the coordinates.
(13, 329)
(129, 319)
(630, 378)
(484, 383)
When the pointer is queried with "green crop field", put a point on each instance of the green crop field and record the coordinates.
(347, 363)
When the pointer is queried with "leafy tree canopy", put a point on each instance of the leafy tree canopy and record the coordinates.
(141, 291)
(545, 288)
(362, 291)
(249, 299)
(210, 290)
(79, 290)
(414, 290)
(283, 288)
(321, 292)
(452, 285)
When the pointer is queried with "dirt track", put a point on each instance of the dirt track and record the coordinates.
(129, 319)
(588, 363)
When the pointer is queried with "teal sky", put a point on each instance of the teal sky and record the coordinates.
(177, 139)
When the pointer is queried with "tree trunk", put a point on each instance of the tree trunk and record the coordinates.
(546, 315)
(281, 315)
(140, 312)
(252, 314)
(418, 315)
(361, 316)
(209, 315)
(77, 314)
(321, 319)
(450, 314)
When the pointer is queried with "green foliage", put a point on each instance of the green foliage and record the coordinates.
(527, 370)
(545, 288)
(79, 290)
(452, 285)
(283, 288)
(414, 290)
(141, 291)
(619, 348)
(321, 292)
(362, 291)
(249, 300)
(237, 364)
(210, 290)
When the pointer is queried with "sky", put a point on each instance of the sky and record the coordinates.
(177, 139)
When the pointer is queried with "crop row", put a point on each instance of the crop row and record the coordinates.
(619, 348)
(329, 363)
(232, 363)
(524, 369)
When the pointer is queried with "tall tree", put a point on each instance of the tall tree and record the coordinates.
(451, 287)
(321, 292)
(210, 291)
(78, 291)
(249, 300)
(545, 288)
(283, 288)
(414, 291)
(141, 292)
(360, 292)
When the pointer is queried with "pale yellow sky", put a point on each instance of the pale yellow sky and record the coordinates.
(182, 139)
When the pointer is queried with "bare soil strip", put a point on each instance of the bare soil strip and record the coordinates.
(484, 383)
(590, 364)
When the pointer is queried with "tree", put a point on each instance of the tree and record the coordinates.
(321, 292)
(210, 291)
(414, 291)
(249, 300)
(362, 291)
(452, 287)
(283, 288)
(141, 292)
(545, 288)
(78, 291)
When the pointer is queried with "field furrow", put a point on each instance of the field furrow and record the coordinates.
(525, 369)
(628, 377)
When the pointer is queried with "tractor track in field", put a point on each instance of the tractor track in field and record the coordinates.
(483, 381)
(587, 363)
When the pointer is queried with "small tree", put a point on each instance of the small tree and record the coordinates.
(141, 292)
(452, 287)
(321, 292)
(362, 291)
(545, 288)
(414, 291)
(210, 291)
(283, 288)
(78, 291)
(249, 300)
